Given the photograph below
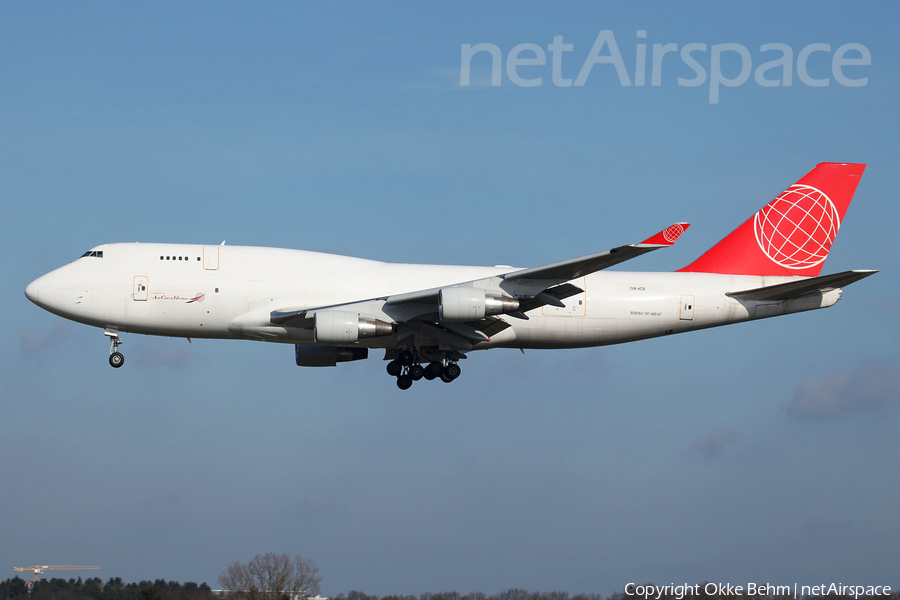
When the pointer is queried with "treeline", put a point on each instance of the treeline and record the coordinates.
(115, 589)
(95, 589)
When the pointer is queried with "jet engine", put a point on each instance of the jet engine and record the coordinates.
(343, 327)
(327, 356)
(470, 304)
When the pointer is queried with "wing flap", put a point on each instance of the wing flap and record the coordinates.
(429, 296)
(796, 289)
(558, 292)
(282, 316)
(491, 326)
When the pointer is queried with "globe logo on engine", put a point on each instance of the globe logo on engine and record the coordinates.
(796, 229)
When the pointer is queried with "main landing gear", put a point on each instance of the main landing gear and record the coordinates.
(116, 358)
(407, 369)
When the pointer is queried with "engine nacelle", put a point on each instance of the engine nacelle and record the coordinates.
(343, 327)
(470, 304)
(327, 356)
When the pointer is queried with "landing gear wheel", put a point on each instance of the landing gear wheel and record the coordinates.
(394, 368)
(433, 370)
(406, 358)
(416, 372)
(116, 359)
(404, 382)
(446, 378)
(453, 371)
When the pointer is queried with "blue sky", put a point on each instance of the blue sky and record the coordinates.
(760, 452)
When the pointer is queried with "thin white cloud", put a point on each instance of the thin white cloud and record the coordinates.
(869, 388)
(163, 353)
(32, 342)
(445, 78)
(715, 443)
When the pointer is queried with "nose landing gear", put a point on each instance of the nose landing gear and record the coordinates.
(116, 358)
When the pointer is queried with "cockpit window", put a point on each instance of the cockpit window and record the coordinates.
(94, 253)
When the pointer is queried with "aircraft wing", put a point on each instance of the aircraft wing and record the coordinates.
(574, 268)
(796, 289)
(567, 270)
(522, 290)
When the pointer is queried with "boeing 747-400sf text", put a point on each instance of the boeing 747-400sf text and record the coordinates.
(427, 317)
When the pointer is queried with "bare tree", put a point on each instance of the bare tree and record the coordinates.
(271, 577)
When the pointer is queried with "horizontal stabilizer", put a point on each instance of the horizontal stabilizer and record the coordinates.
(796, 289)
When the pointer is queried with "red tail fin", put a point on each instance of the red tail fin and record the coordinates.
(793, 233)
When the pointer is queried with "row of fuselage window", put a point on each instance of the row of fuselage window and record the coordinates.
(177, 258)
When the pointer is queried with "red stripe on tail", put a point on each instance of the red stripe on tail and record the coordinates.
(793, 233)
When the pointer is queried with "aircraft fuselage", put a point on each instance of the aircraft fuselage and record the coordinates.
(226, 292)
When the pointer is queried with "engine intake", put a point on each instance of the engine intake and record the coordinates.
(343, 327)
(327, 356)
(470, 304)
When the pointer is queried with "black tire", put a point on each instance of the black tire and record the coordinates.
(116, 360)
(453, 371)
(406, 358)
(404, 382)
(433, 370)
(394, 368)
(416, 372)
(446, 378)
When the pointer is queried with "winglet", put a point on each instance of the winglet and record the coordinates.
(667, 236)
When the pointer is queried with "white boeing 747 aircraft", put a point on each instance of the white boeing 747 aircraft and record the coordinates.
(427, 317)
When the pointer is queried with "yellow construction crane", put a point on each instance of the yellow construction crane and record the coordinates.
(38, 569)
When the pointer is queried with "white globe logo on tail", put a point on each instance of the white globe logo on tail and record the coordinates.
(673, 232)
(797, 228)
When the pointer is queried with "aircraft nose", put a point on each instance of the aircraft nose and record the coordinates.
(33, 291)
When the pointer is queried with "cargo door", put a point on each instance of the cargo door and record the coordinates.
(686, 312)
